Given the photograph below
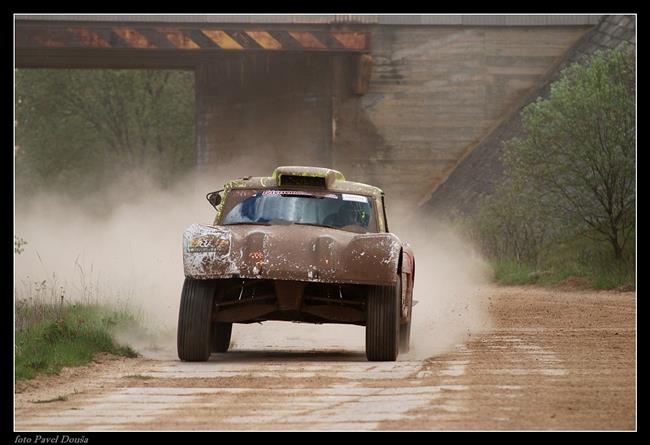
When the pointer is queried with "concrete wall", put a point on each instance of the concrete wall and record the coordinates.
(435, 92)
(255, 112)
(479, 173)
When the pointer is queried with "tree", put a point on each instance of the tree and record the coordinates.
(75, 126)
(510, 224)
(578, 154)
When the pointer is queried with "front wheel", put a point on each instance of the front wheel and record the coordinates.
(194, 320)
(382, 323)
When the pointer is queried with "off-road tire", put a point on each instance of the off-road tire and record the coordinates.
(382, 323)
(404, 328)
(194, 320)
(220, 336)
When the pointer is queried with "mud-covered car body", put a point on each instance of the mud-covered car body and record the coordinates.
(281, 248)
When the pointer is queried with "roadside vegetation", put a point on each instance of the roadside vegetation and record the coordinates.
(51, 332)
(77, 130)
(52, 336)
(566, 208)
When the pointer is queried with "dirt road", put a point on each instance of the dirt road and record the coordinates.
(553, 360)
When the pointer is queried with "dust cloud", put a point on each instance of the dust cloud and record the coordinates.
(120, 247)
(123, 247)
(449, 277)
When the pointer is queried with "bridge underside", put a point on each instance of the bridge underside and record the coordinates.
(146, 45)
(400, 113)
(264, 96)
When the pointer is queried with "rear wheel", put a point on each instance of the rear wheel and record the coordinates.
(382, 323)
(220, 336)
(405, 337)
(194, 320)
(405, 330)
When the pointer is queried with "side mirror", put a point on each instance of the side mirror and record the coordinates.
(214, 198)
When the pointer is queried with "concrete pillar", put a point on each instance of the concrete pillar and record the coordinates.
(256, 111)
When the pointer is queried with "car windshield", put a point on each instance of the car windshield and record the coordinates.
(337, 210)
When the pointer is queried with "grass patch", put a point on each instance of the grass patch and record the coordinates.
(71, 338)
(593, 262)
(571, 264)
(512, 272)
(613, 280)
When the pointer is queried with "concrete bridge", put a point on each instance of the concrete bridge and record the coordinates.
(396, 101)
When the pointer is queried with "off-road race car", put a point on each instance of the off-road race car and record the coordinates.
(301, 245)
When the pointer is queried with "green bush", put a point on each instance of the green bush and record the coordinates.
(566, 206)
(72, 339)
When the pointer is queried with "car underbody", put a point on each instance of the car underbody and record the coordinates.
(250, 301)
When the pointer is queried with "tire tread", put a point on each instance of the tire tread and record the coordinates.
(382, 324)
(195, 313)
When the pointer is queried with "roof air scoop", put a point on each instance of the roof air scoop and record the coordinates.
(306, 176)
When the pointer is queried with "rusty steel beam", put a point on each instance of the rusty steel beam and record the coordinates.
(364, 72)
(145, 37)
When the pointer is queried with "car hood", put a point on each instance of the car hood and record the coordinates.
(290, 252)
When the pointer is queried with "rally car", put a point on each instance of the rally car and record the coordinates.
(300, 245)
